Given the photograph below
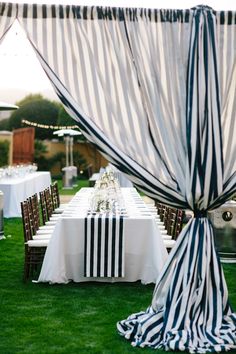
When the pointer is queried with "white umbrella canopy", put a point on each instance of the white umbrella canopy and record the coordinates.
(70, 132)
(7, 107)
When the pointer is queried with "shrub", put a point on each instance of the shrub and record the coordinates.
(4, 148)
(40, 149)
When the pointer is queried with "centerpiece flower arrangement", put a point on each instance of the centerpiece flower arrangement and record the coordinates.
(106, 197)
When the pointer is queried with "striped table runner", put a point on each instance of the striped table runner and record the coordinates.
(104, 246)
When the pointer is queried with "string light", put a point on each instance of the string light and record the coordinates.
(45, 126)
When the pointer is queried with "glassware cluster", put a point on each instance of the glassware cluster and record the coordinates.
(17, 171)
(107, 196)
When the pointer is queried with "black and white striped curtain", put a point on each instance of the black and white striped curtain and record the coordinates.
(155, 91)
(8, 14)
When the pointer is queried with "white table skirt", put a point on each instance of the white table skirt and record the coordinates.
(18, 189)
(145, 253)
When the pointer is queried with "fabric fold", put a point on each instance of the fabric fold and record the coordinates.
(190, 309)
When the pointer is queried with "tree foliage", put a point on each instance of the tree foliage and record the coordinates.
(4, 124)
(64, 119)
(40, 111)
(46, 163)
(39, 149)
(4, 148)
(29, 98)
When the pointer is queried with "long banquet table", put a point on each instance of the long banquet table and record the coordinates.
(144, 251)
(17, 189)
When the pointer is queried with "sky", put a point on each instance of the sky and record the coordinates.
(19, 67)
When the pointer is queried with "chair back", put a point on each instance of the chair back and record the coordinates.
(90, 170)
(27, 226)
(43, 207)
(33, 206)
(179, 223)
(161, 209)
(49, 203)
(31, 217)
(55, 195)
(172, 219)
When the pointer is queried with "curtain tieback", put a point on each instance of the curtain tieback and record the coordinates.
(200, 213)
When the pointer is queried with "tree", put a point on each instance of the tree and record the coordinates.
(64, 119)
(40, 111)
(4, 124)
(29, 98)
(40, 149)
(4, 148)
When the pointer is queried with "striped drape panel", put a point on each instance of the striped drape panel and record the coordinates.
(99, 86)
(155, 91)
(7, 17)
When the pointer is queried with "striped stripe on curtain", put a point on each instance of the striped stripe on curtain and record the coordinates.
(154, 90)
(7, 15)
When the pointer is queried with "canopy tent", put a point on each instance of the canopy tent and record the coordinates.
(155, 91)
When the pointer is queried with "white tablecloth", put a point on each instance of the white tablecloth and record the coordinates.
(145, 253)
(18, 189)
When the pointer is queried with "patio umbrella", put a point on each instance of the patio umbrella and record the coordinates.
(7, 107)
(68, 134)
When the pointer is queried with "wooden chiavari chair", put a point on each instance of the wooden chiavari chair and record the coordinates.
(34, 249)
(57, 206)
(34, 211)
(45, 216)
(179, 223)
(49, 205)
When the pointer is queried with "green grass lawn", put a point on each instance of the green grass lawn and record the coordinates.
(80, 183)
(72, 318)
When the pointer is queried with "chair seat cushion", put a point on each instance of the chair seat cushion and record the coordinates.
(41, 237)
(163, 232)
(169, 243)
(44, 232)
(166, 237)
(55, 217)
(46, 227)
(51, 223)
(38, 243)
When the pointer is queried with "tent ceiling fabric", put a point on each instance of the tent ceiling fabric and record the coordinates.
(155, 91)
